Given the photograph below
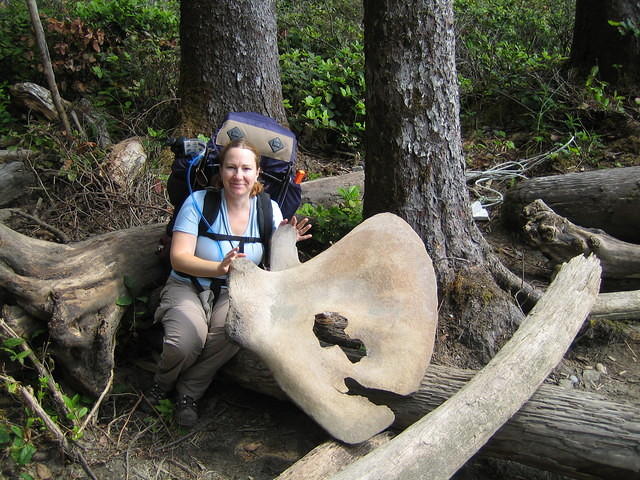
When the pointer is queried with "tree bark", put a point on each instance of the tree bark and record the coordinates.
(604, 199)
(415, 165)
(560, 240)
(229, 62)
(598, 43)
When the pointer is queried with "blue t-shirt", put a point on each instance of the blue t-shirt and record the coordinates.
(188, 219)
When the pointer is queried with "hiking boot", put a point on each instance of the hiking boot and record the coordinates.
(152, 398)
(186, 411)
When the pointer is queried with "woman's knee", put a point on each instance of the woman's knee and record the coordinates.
(183, 332)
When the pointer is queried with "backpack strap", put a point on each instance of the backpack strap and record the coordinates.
(211, 209)
(265, 224)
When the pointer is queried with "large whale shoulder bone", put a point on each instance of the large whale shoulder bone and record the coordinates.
(381, 279)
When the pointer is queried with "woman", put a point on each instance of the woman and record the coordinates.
(192, 312)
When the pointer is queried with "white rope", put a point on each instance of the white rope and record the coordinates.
(489, 196)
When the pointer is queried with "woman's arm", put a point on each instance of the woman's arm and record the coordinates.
(184, 260)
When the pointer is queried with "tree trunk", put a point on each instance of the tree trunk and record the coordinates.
(74, 289)
(229, 62)
(604, 199)
(614, 49)
(415, 166)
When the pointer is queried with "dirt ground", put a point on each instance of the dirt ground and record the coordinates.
(245, 435)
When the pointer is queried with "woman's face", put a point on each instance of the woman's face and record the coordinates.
(239, 172)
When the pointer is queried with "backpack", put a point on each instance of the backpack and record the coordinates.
(277, 146)
(195, 162)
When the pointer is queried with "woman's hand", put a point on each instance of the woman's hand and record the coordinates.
(184, 260)
(302, 227)
(230, 257)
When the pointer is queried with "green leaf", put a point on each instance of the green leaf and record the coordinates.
(124, 301)
(21, 356)
(5, 436)
(13, 342)
(23, 455)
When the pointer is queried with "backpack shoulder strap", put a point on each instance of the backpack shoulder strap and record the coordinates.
(210, 210)
(265, 224)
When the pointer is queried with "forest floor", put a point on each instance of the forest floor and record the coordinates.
(245, 435)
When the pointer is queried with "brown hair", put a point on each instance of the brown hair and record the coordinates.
(216, 180)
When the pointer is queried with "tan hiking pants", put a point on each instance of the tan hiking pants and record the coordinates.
(195, 344)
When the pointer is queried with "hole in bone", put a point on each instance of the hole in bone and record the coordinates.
(329, 330)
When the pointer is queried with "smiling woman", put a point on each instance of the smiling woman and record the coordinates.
(195, 299)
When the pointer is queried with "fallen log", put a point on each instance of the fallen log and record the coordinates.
(330, 457)
(604, 199)
(37, 98)
(324, 191)
(19, 155)
(559, 239)
(74, 289)
(617, 306)
(582, 435)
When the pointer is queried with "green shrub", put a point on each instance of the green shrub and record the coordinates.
(19, 56)
(139, 64)
(120, 54)
(123, 17)
(326, 95)
(509, 53)
(332, 223)
(318, 26)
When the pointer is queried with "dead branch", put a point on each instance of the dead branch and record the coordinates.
(43, 372)
(69, 448)
(46, 63)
